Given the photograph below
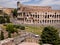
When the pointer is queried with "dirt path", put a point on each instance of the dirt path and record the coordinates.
(28, 43)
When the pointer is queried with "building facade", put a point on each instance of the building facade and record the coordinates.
(37, 14)
(6, 10)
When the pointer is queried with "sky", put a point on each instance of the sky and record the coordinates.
(55, 4)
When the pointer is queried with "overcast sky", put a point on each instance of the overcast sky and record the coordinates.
(12, 3)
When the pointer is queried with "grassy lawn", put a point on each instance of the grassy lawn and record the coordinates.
(34, 29)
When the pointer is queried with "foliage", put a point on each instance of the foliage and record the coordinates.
(22, 28)
(50, 36)
(2, 35)
(8, 19)
(4, 19)
(14, 13)
(5, 14)
(19, 27)
(9, 34)
(11, 29)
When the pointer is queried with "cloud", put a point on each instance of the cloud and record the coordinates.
(12, 3)
(54, 3)
(44, 2)
(50, 2)
(8, 3)
(24, 1)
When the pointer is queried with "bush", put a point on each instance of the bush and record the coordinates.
(2, 35)
(7, 19)
(17, 26)
(10, 28)
(9, 35)
(50, 36)
(22, 28)
(2, 20)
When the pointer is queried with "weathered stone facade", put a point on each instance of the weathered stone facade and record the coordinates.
(37, 14)
(8, 41)
(6, 10)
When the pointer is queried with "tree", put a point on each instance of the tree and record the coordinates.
(9, 34)
(10, 28)
(8, 19)
(2, 35)
(2, 20)
(14, 13)
(50, 36)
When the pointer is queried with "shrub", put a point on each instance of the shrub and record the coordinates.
(9, 35)
(7, 19)
(2, 20)
(2, 35)
(50, 36)
(22, 28)
(10, 28)
(17, 26)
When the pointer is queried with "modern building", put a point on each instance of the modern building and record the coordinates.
(37, 14)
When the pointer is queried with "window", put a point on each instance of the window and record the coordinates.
(18, 8)
(55, 13)
(30, 14)
(38, 16)
(45, 13)
(42, 21)
(27, 15)
(1, 11)
(48, 16)
(45, 16)
(48, 21)
(52, 15)
(52, 21)
(24, 13)
(20, 18)
(19, 13)
(59, 16)
(35, 16)
(55, 16)
(45, 21)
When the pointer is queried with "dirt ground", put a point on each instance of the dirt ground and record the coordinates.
(28, 43)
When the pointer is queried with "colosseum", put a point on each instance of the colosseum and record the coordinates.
(37, 14)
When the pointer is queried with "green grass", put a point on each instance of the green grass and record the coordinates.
(34, 29)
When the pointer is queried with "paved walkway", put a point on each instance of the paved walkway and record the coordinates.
(28, 43)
